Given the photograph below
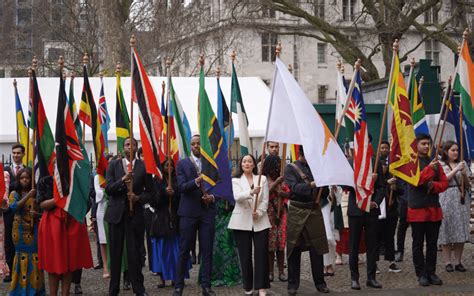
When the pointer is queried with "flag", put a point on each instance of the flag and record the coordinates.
(68, 153)
(464, 84)
(341, 97)
(416, 107)
(151, 122)
(3, 186)
(104, 118)
(82, 172)
(468, 136)
(122, 121)
(294, 152)
(90, 117)
(224, 118)
(293, 119)
(181, 123)
(23, 131)
(403, 153)
(363, 151)
(44, 150)
(237, 106)
(216, 170)
(173, 142)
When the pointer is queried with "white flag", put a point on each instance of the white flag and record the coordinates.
(341, 97)
(292, 119)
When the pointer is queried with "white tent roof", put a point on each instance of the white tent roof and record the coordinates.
(255, 95)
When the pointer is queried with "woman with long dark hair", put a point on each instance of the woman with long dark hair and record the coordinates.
(251, 224)
(454, 230)
(277, 213)
(27, 277)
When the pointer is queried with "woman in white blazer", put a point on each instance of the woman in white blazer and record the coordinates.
(249, 225)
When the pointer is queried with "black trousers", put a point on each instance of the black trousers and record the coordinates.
(253, 278)
(8, 216)
(425, 265)
(99, 253)
(133, 231)
(386, 233)
(402, 227)
(294, 268)
(77, 276)
(148, 215)
(188, 226)
(356, 224)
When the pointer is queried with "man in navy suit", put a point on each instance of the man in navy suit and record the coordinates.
(197, 212)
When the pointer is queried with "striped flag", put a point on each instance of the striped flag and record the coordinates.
(181, 123)
(88, 114)
(23, 130)
(294, 152)
(237, 106)
(122, 121)
(416, 107)
(104, 118)
(404, 162)
(224, 117)
(363, 150)
(151, 123)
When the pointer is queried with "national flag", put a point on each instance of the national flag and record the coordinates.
(404, 162)
(416, 107)
(91, 118)
(181, 123)
(82, 172)
(464, 83)
(164, 117)
(104, 118)
(68, 153)
(294, 152)
(44, 150)
(224, 118)
(151, 123)
(468, 136)
(293, 119)
(363, 150)
(23, 130)
(348, 120)
(216, 170)
(122, 121)
(3, 186)
(171, 129)
(237, 106)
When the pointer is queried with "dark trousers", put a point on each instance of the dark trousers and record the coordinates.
(258, 278)
(402, 228)
(148, 215)
(356, 224)
(425, 265)
(99, 253)
(8, 216)
(294, 268)
(188, 227)
(133, 231)
(386, 233)
(77, 276)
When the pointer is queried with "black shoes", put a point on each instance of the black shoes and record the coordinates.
(449, 268)
(282, 277)
(208, 292)
(355, 285)
(435, 280)
(322, 288)
(292, 291)
(178, 292)
(77, 289)
(99, 266)
(423, 281)
(374, 284)
(460, 268)
(126, 285)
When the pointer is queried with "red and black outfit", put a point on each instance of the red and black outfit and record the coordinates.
(425, 215)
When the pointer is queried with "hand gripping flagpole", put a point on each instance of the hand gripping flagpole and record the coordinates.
(132, 156)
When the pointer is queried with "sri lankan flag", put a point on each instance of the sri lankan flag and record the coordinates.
(122, 121)
(45, 155)
(404, 154)
(211, 139)
(23, 130)
(88, 114)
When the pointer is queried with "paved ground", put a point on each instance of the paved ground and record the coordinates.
(403, 283)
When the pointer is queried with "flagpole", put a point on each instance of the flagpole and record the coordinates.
(445, 116)
(232, 56)
(384, 117)
(168, 129)
(446, 97)
(34, 65)
(16, 111)
(348, 98)
(465, 35)
(85, 62)
(340, 69)
(132, 156)
(118, 74)
(30, 102)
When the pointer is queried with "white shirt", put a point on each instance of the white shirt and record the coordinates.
(17, 168)
(197, 161)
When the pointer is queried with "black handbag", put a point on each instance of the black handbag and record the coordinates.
(163, 224)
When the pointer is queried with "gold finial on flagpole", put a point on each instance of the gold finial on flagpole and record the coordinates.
(290, 68)
(218, 72)
(201, 60)
(118, 69)
(101, 74)
(396, 45)
(72, 75)
(278, 49)
(339, 65)
(133, 41)
(233, 55)
(358, 64)
(412, 62)
(466, 33)
(14, 82)
(85, 59)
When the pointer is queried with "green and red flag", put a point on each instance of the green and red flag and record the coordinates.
(122, 121)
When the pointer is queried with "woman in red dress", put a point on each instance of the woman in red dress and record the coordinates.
(63, 243)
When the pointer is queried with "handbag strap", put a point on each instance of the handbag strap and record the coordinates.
(300, 172)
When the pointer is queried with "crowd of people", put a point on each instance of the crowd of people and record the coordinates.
(278, 213)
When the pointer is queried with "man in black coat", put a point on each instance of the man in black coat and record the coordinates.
(125, 216)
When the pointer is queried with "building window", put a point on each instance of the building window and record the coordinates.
(431, 15)
(322, 53)
(319, 8)
(269, 43)
(23, 16)
(432, 50)
(322, 93)
(348, 10)
(268, 12)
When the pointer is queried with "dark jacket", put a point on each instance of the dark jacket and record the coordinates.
(382, 190)
(116, 189)
(300, 190)
(191, 203)
(165, 222)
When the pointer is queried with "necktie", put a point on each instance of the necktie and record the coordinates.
(17, 169)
